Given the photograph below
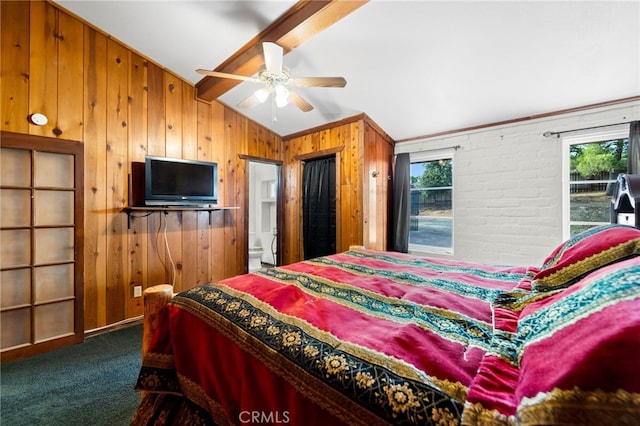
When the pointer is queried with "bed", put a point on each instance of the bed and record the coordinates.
(371, 337)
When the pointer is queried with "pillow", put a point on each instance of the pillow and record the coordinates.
(586, 252)
(577, 351)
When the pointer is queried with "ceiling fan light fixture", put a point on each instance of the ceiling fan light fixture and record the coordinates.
(275, 80)
(262, 94)
(282, 95)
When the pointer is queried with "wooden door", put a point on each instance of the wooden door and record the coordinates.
(41, 227)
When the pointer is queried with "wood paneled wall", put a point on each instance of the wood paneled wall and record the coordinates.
(363, 169)
(376, 197)
(122, 106)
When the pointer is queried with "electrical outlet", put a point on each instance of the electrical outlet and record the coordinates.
(137, 291)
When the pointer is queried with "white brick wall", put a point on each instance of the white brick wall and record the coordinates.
(508, 185)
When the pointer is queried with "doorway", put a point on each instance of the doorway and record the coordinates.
(264, 187)
(319, 207)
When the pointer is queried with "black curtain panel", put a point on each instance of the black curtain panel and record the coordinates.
(319, 207)
(401, 197)
(633, 166)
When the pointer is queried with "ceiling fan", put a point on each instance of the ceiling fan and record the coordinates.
(276, 80)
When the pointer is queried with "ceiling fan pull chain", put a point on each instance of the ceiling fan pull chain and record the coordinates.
(273, 110)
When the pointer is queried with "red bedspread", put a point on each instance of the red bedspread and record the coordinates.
(368, 337)
(361, 337)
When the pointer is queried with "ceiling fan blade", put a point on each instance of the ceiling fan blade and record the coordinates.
(249, 102)
(299, 102)
(320, 82)
(227, 75)
(272, 58)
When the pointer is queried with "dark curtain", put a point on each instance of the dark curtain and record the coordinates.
(319, 207)
(401, 197)
(633, 165)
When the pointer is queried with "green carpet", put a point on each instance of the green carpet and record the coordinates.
(85, 384)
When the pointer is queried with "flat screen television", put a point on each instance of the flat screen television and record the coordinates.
(178, 182)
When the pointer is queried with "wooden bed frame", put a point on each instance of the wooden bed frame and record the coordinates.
(155, 298)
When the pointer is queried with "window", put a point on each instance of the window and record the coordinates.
(591, 166)
(431, 204)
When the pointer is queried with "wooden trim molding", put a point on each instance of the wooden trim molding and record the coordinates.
(318, 154)
(327, 126)
(379, 130)
(279, 201)
(359, 117)
(521, 119)
(259, 159)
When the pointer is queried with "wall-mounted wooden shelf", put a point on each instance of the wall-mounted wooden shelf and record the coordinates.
(151, 209)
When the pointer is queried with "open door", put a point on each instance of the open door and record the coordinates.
(264, 220)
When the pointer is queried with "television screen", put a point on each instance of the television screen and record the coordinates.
(175, 182)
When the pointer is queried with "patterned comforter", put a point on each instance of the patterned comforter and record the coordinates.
(368, 337)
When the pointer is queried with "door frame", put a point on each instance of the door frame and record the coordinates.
(316, 155)
(279, 205)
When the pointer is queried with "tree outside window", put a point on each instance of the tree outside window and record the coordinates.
(593, 170)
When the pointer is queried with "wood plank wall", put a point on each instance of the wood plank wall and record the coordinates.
(362, 200)
(378, 173)
(122, 106)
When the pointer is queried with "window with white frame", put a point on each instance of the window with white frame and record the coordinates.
(431, 203)
(592, 162)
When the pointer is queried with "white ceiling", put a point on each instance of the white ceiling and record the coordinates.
(415, 67)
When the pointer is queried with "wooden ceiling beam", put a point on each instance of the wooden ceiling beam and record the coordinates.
(304, 20)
